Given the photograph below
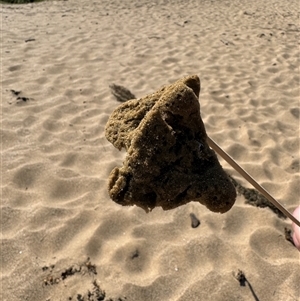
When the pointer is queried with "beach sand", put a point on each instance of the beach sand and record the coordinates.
(62, 238)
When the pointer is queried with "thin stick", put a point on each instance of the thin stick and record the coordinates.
(243, 173)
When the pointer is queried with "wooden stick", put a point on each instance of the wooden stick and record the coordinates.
(243, 173)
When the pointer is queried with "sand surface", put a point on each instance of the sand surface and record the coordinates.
(61, 235)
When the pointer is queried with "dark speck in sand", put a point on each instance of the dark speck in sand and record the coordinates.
(29, 40)
(295, 112)
(288, 235)
(135, 254)
(241, 278)
(16, 93)
(23, 98)
(195, 221)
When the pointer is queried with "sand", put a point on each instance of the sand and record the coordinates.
(62, 238)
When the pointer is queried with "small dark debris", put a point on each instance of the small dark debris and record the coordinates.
(23, 98)
(97, 292)
(29, 40)
(241, 278)
(295, 112)
(51, 278)
(135, 254)
(91, 267)
(195, 221)
(46, 268)
(288, 235)
(70, 272)
(121, 93)
(16, 93)
(79, 297)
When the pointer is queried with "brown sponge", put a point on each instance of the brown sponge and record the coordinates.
(168, 161)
